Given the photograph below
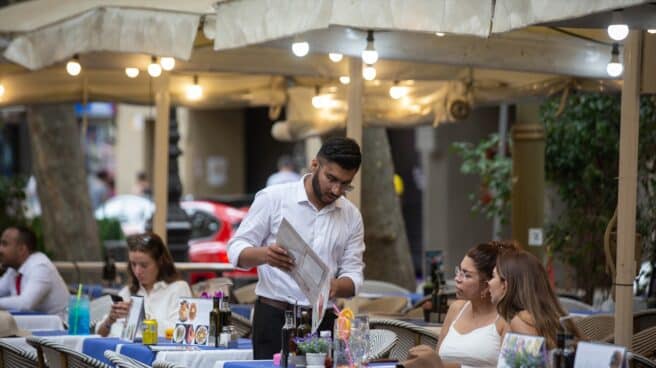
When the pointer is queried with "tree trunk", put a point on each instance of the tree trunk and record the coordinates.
(388, 253)
(69, 228)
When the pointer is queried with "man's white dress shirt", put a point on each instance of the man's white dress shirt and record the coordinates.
(160, 304)
(335, 233)
(42, 287)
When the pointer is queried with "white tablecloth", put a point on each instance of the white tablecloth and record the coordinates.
(71, 341)
(203, 358)
(39, 322)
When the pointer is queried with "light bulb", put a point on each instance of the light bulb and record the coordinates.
(2, 90)
(132, 72)
(335, 57)
(194, 91)
(344, 79)
(439, 34)
(167, 63)
(618, 30)
(369, 54)
(369, 72)
(614, 68)
(73, 66)
(300, 48)
(154, 69)
(397, 91)
(651, 31)
(318, 101)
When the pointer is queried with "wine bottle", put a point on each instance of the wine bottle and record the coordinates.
(215, 323)
(287, 341)
(304, 327)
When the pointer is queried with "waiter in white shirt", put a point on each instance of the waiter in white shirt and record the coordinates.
(327, 222)
(32, 282)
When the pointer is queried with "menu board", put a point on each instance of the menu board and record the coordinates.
(193, 324)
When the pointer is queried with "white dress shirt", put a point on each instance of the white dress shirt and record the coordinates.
(42, 287)
(335, 233)
(160, 304)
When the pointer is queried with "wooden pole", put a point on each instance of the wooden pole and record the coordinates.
(354, 120)
(161, 156)
(627, 189)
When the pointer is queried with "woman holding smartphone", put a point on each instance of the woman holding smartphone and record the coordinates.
(153, 276)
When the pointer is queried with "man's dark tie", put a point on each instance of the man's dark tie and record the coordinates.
(19, 276)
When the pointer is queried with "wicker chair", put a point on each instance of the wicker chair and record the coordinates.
(245, 294)
(384, 305)
(381, 287)
(165, 364)
(599, 327)
(122, 361)
(242, 325)
(381, 343)
(11, 356)
(644, 343)
(639, 361)
(53, 355)
(644, 319)
(408, 335)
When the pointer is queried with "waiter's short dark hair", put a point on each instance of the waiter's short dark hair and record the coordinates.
(343, 151)
(27, 237)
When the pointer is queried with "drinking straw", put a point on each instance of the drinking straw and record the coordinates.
(76, 314)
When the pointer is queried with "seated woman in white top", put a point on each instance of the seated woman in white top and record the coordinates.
(153, 276)
(472, 330)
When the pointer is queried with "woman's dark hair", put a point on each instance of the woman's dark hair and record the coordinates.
(485, 255)
(151, 244)
(345, 152)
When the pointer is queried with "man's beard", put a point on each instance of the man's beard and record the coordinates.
(316, 188)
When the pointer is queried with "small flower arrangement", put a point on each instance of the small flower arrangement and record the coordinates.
(217, 294)
(312, 344)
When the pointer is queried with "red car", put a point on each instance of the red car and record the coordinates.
(213, 224)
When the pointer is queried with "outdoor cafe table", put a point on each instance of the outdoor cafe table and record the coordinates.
(269, 364)
(32, 322)
(60, 337)
(205, 357)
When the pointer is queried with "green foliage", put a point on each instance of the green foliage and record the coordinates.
(313, 344)
(582, 160)
(493, 199)
(109, 229)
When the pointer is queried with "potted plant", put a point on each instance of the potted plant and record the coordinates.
(315, 350)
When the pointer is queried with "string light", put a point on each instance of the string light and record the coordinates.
(440, 34)
(194, 91)
(132, 72)
(167, 63)
(397, 91)
(344, 79)
(335, 57)
(618, 30)
(369, 54)
(651, 31)
(73, 66)
(614, 68)
(2, 90)
(369, 72)
(154, 69)
(300, 48)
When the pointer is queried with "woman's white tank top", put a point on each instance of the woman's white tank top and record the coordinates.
(478, 348)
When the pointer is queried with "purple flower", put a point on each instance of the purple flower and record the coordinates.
(205, 295)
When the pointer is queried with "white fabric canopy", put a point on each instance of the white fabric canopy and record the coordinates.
(48, 31)
(246, 22)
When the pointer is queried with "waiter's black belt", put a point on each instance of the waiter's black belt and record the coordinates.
(279, 304)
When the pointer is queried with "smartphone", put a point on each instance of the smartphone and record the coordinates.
(116, 298)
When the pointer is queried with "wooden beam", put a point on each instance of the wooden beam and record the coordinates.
(161, 156)
(627, 190)
(354, 120)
